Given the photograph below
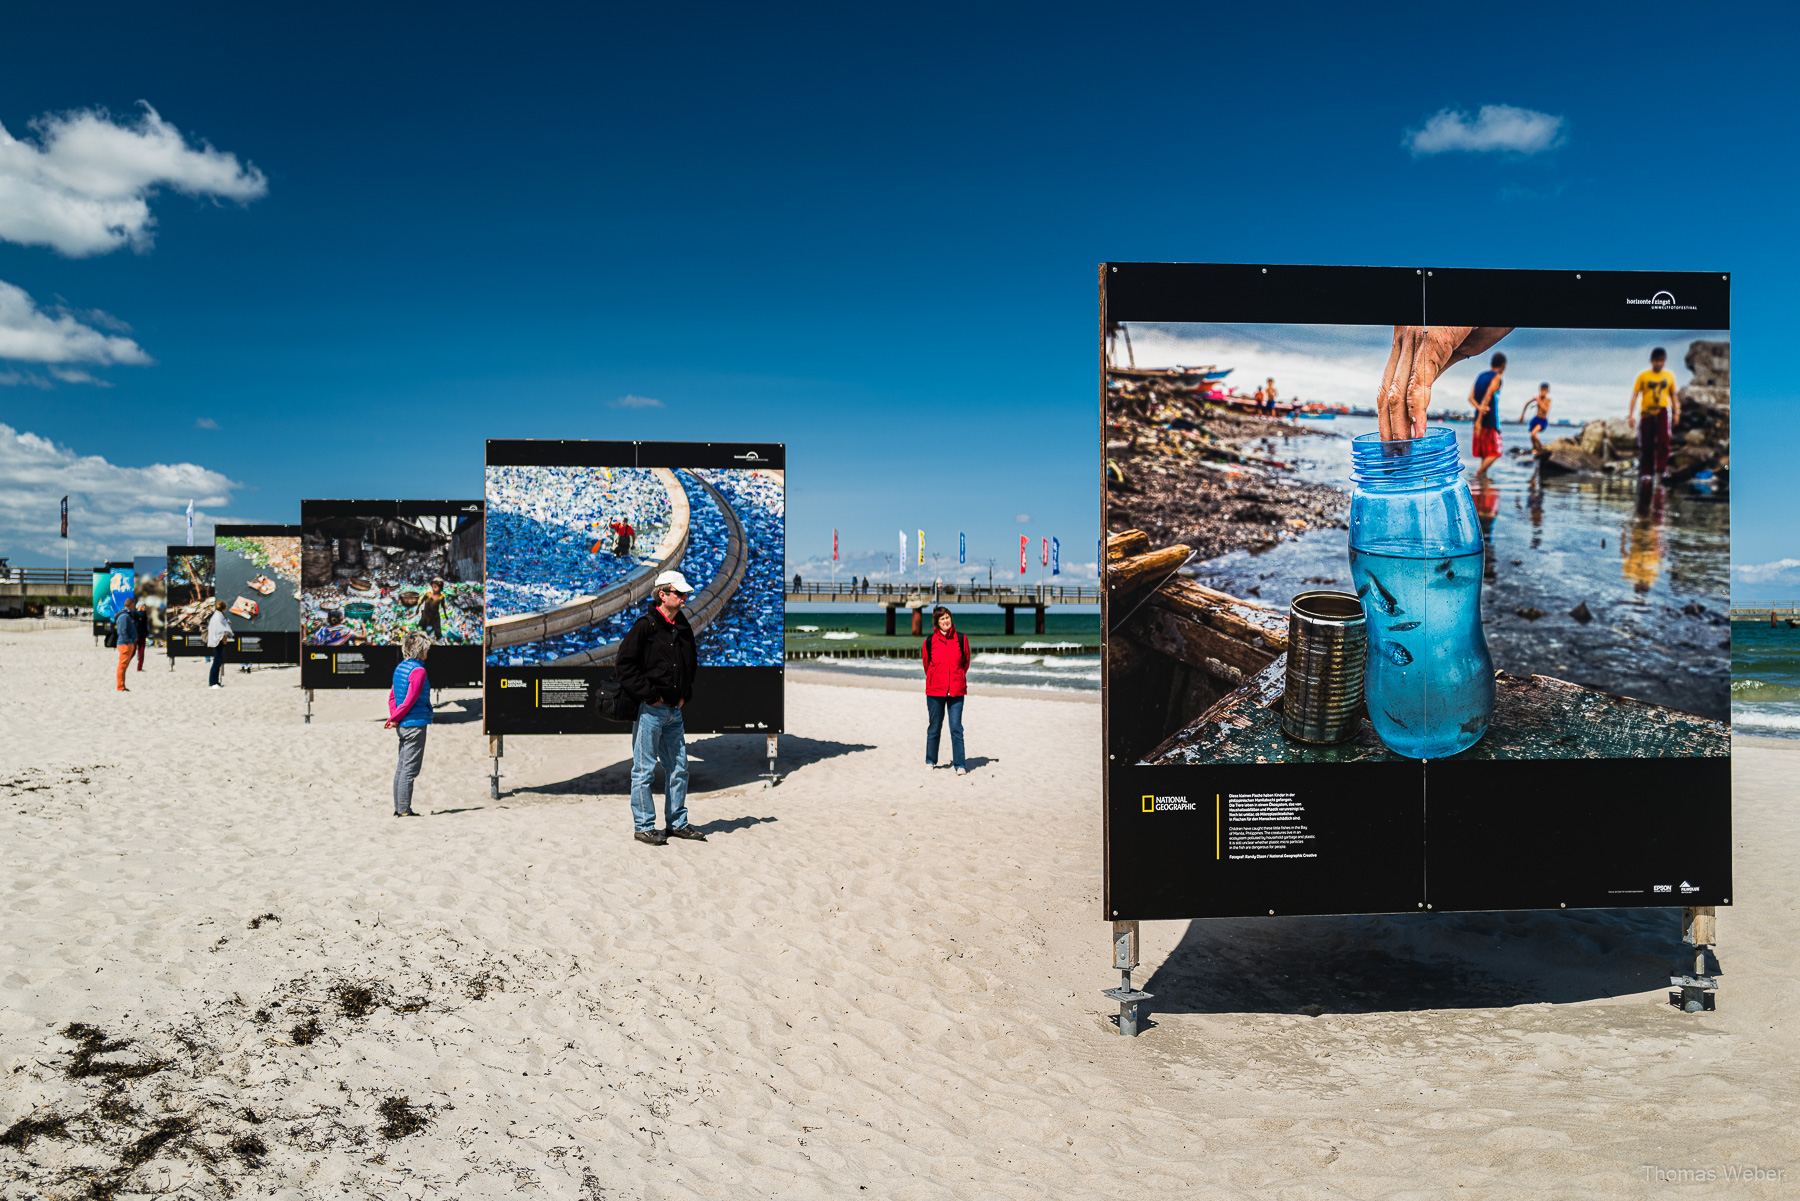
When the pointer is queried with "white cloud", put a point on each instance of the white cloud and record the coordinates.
(1778, 571)
(23, 379)
(32, 335)
(1022, 518)
(1495, 127)
(205, 423)
(84, 186)
(635, 402)
(114, 511)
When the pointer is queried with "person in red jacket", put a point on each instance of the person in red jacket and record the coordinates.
(945, 656)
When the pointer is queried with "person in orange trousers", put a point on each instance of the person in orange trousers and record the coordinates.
(130, 626)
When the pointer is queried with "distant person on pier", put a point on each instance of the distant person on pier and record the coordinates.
(409, 715)
(1540, 422)
(945, 656)
(656, 664)
(1661, 412)
(796, 581)
(1485, 397)
(218, 637)
(129, 625)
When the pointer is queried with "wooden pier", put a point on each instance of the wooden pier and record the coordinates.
(918, 597)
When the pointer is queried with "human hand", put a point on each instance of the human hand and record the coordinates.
(390, 723)
(1419, 355)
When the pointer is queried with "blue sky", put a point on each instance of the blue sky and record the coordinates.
(869, 234)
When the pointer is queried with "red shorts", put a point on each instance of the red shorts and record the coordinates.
(1487, 443)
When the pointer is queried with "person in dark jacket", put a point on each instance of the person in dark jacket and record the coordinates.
(945, 657)
(129, 625)
(656, 665)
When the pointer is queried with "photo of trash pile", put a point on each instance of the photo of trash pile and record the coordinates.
(368, 581)
(257, 578)
(188, 585)
(551, 542)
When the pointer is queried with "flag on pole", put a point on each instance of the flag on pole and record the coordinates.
(190, 540)
(1024, 549)
(1044, 560)
(902, 562)
(962, 549)
(921, 548)
(65, 515)
(1055, 557)
(834, 554)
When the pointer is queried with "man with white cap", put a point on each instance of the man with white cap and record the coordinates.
(656, 664)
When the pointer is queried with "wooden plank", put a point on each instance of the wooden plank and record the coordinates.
(1128, 573)
(1535, 717)
(1700, 926)
(1126, 543)
(1198, 644)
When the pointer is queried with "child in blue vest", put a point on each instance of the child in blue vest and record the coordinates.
(409, 715)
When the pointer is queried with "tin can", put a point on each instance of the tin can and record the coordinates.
(1328, 645)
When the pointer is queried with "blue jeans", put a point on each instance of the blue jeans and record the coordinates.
(658, 735)
(935, 708)
(218, 657)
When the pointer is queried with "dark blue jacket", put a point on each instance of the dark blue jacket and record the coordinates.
(130, 626)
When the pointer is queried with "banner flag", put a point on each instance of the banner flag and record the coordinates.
(1024, 549)
(1055, 557)
(962, 549)
(190, 540)
(921, 548)
(65, 515)
(902, 562)
(834, 555)
(1044, 559)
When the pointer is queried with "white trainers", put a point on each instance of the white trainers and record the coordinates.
(931, 767)
(962, 771)
(215, 685)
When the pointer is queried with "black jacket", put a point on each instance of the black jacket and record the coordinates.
(657, 660)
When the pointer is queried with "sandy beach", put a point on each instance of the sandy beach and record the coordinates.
(226, 970)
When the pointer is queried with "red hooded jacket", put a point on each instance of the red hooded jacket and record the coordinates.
(946, 659)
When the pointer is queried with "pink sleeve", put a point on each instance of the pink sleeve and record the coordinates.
(413, 683)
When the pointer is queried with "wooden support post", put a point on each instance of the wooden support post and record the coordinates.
(1039, 625)
(918, 620)
(1009, 617)
(1699, 930)
(496, 749)
(890, 620)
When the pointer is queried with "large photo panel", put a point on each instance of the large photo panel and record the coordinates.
(1360, 560)
(256, 573)
(576, 533)
(188, 586)
(372, 571)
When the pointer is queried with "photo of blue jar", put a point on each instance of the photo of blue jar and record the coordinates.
(1415, 556)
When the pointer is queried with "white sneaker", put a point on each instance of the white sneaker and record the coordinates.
(962, 771)
(215, 685)
(931, 767)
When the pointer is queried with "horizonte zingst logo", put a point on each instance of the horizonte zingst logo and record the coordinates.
(1662, 300)
(1733, 1173)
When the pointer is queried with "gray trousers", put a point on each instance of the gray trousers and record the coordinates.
(412, 757)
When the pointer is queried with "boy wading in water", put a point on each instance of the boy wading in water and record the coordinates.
(1485, 396)
(1661, 412)
(1542, 421)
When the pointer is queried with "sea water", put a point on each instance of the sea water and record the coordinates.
(1430, 682)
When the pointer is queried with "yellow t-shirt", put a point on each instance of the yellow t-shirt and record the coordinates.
(1657, 388)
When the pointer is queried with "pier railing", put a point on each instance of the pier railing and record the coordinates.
(904, 596)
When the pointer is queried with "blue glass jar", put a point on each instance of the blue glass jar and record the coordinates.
(1415, 554)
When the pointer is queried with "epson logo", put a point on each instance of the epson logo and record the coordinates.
(1662, 888)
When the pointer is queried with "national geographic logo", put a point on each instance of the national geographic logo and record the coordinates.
(506, 683)
(1167, 804)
